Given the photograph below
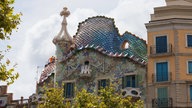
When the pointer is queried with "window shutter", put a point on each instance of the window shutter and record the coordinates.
(189, 40)
(190, 66)
(65, 90)
(128, 81)
(72, 89)
(136, 80)
(99, 84)
(123, 82)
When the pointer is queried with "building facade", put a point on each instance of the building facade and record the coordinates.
(6, 99)
(169, 78)
(98, 56)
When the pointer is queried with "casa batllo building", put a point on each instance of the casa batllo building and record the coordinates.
(97, 56)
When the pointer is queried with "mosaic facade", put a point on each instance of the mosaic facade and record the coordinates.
(98, 52)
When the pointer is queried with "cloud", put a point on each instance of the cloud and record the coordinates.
(131, 15)
(35, 51)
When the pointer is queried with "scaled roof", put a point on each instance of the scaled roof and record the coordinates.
(100, 33)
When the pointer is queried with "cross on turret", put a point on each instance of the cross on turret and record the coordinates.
(63, 35)
(65, 13)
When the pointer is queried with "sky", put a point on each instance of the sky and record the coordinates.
(41, 22)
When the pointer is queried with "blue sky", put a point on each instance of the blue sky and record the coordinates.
(32, 44)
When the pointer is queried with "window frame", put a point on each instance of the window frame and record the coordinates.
(162, 87)
(188, 66)
(73, 91)
(107, 83)
(160, 35)
(186, 40)
(155, 71)
(125, 78)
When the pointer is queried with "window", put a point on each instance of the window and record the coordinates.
(103, 83)
(69, 90)
(161, 71)
(162, 92)
(129, 81)
(189, 40)
(190, 88)
(161, 44)
(190, 67)
(162, 95)
(125, 45)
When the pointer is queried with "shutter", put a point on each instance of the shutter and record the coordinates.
(189, 40)
(123, 82)
(162, 71)
(190, 66)
(128, 81)
(133, 81)
(104, 83)
(161, 44)
(158, 72)
(72, 89)
(65, 90)
(162, 97)
(165, 71)
(99, 84)
(162, 93)
(68, 90)
(137, 80)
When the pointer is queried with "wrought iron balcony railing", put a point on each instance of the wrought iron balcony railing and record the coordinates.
(161, 50)
(162, 102)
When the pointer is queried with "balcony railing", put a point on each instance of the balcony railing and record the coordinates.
(161, 50)
(161, 78)
(162, 103)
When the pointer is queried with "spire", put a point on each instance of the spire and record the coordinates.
(63, 35)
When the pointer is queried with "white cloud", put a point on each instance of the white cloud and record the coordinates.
(36, 49)
(130, 15)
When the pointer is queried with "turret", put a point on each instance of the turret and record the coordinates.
(63, 40)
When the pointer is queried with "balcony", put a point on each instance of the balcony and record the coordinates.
(161, 78)
(156, 51)
(162, 102)
(85, 71)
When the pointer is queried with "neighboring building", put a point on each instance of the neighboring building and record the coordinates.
(98, 56)
(6, 99)
(169, 74)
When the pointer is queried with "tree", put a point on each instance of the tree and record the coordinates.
(107, 98)
(53, 98)
(8, 22)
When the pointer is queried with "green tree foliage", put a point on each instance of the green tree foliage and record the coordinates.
(107, 98)
(8, 22)
(53, 98)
